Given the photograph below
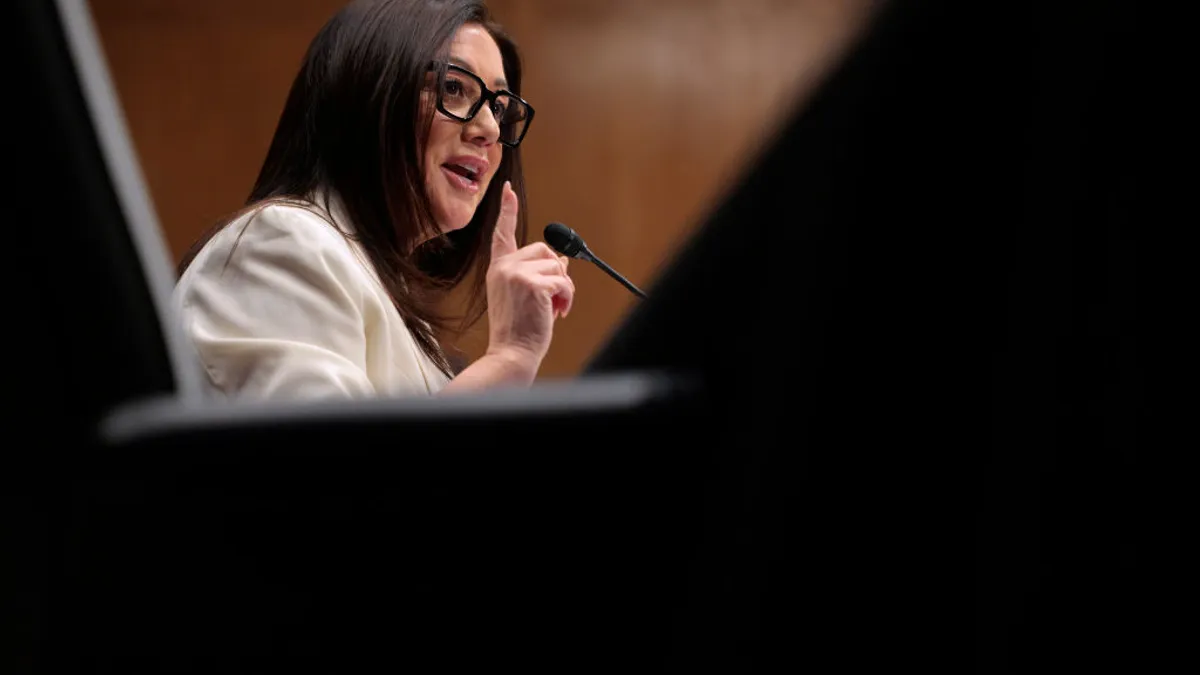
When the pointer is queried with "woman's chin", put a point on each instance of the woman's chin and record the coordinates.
(452, 219)
(455, 225)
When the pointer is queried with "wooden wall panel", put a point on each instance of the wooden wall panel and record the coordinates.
(646, 112)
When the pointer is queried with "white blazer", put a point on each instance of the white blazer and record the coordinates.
(281, 304)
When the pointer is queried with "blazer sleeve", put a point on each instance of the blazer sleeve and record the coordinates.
(276, 310)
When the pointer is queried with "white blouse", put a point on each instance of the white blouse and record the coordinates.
(282, 304)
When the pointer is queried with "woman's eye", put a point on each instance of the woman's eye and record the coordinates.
(498, 109)
(453, 88)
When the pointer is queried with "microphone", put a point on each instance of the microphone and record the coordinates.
(564, 240)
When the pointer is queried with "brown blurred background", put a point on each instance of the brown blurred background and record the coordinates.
(646, 110)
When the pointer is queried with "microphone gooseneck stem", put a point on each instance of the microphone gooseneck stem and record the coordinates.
(588, 255)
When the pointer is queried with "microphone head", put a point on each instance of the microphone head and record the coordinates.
(564, 240)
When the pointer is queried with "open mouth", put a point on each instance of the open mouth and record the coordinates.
(462, 176)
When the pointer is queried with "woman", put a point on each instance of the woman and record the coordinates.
(394, 176)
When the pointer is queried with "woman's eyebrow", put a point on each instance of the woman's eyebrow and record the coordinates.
(499, 83)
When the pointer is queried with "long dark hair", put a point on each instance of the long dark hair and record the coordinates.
(354, 127)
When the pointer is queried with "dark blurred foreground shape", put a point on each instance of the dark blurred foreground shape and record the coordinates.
(932, 472)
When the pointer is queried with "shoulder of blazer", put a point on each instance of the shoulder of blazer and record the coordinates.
(306, 229)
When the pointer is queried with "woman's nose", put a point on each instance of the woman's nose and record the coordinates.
(484, 127)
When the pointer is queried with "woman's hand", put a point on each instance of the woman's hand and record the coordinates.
(527, 289)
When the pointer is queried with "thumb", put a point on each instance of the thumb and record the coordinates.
(504, 237)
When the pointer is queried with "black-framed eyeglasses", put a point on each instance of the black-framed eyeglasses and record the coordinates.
(461, 94)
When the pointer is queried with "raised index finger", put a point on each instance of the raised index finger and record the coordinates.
(504, 237)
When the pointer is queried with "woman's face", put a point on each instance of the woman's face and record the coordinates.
(461, 158)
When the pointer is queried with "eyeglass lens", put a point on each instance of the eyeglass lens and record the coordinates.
(460, 94)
